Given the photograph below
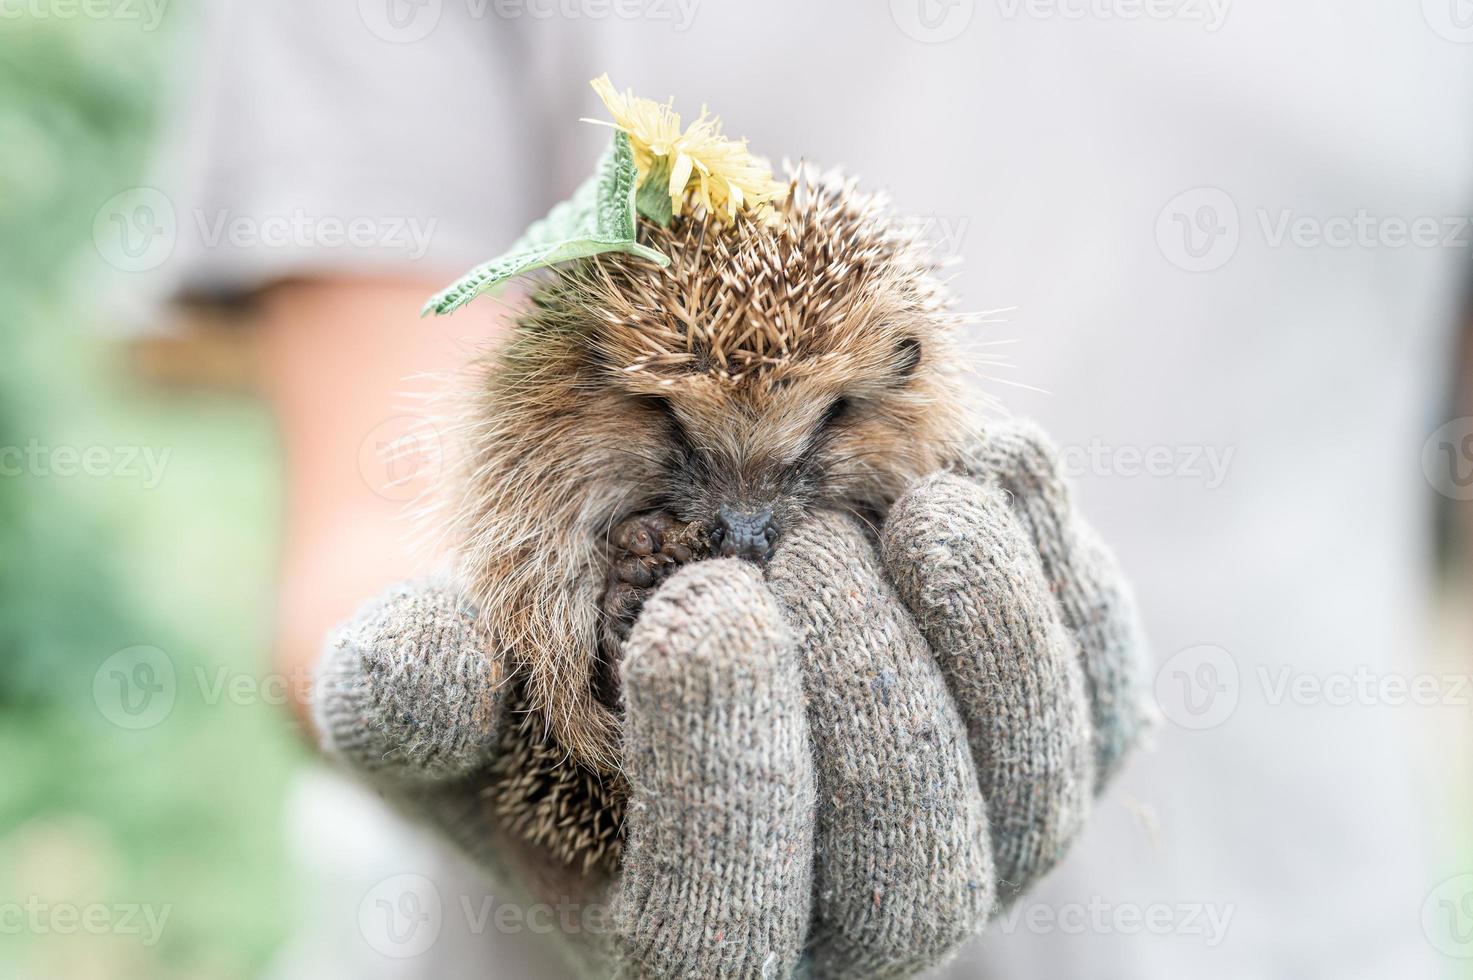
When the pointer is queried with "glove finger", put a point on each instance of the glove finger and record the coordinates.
(717, 872)
(408, 689)
(408, 696)
(1092, 595)
(903, 863)
(969, 574)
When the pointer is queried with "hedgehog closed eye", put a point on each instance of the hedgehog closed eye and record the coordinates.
(907, 357)
(837, 410)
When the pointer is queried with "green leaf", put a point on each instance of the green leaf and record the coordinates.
(599, 217)
(652, 200)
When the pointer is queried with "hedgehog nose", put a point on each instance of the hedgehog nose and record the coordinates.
(739, 533)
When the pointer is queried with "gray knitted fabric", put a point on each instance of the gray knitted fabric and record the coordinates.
(966, 570)
(716, 872)
(838, 770)
(1092, 594)
(904, 870)
(407, 691)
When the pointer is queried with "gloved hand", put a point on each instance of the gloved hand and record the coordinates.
(843, 763)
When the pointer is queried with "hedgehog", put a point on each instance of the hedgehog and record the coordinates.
(638, 418)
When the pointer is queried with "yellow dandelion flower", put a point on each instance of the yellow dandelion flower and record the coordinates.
(653, 128)
(700, 165)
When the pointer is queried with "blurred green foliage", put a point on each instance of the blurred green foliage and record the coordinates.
(74, 116)
(184, 813)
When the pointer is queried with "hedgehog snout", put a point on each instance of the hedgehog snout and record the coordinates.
(742, 532)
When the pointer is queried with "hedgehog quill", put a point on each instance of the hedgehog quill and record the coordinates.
(708, 355)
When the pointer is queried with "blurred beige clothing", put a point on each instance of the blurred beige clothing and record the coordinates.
(1245, 403)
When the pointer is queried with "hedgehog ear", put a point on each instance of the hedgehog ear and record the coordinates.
(600, 217)
(907, 357)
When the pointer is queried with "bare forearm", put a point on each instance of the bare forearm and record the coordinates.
(345, 365)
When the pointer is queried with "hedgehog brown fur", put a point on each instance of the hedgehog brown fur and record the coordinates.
(803, 358)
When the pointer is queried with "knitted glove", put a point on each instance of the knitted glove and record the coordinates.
(843, 764)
